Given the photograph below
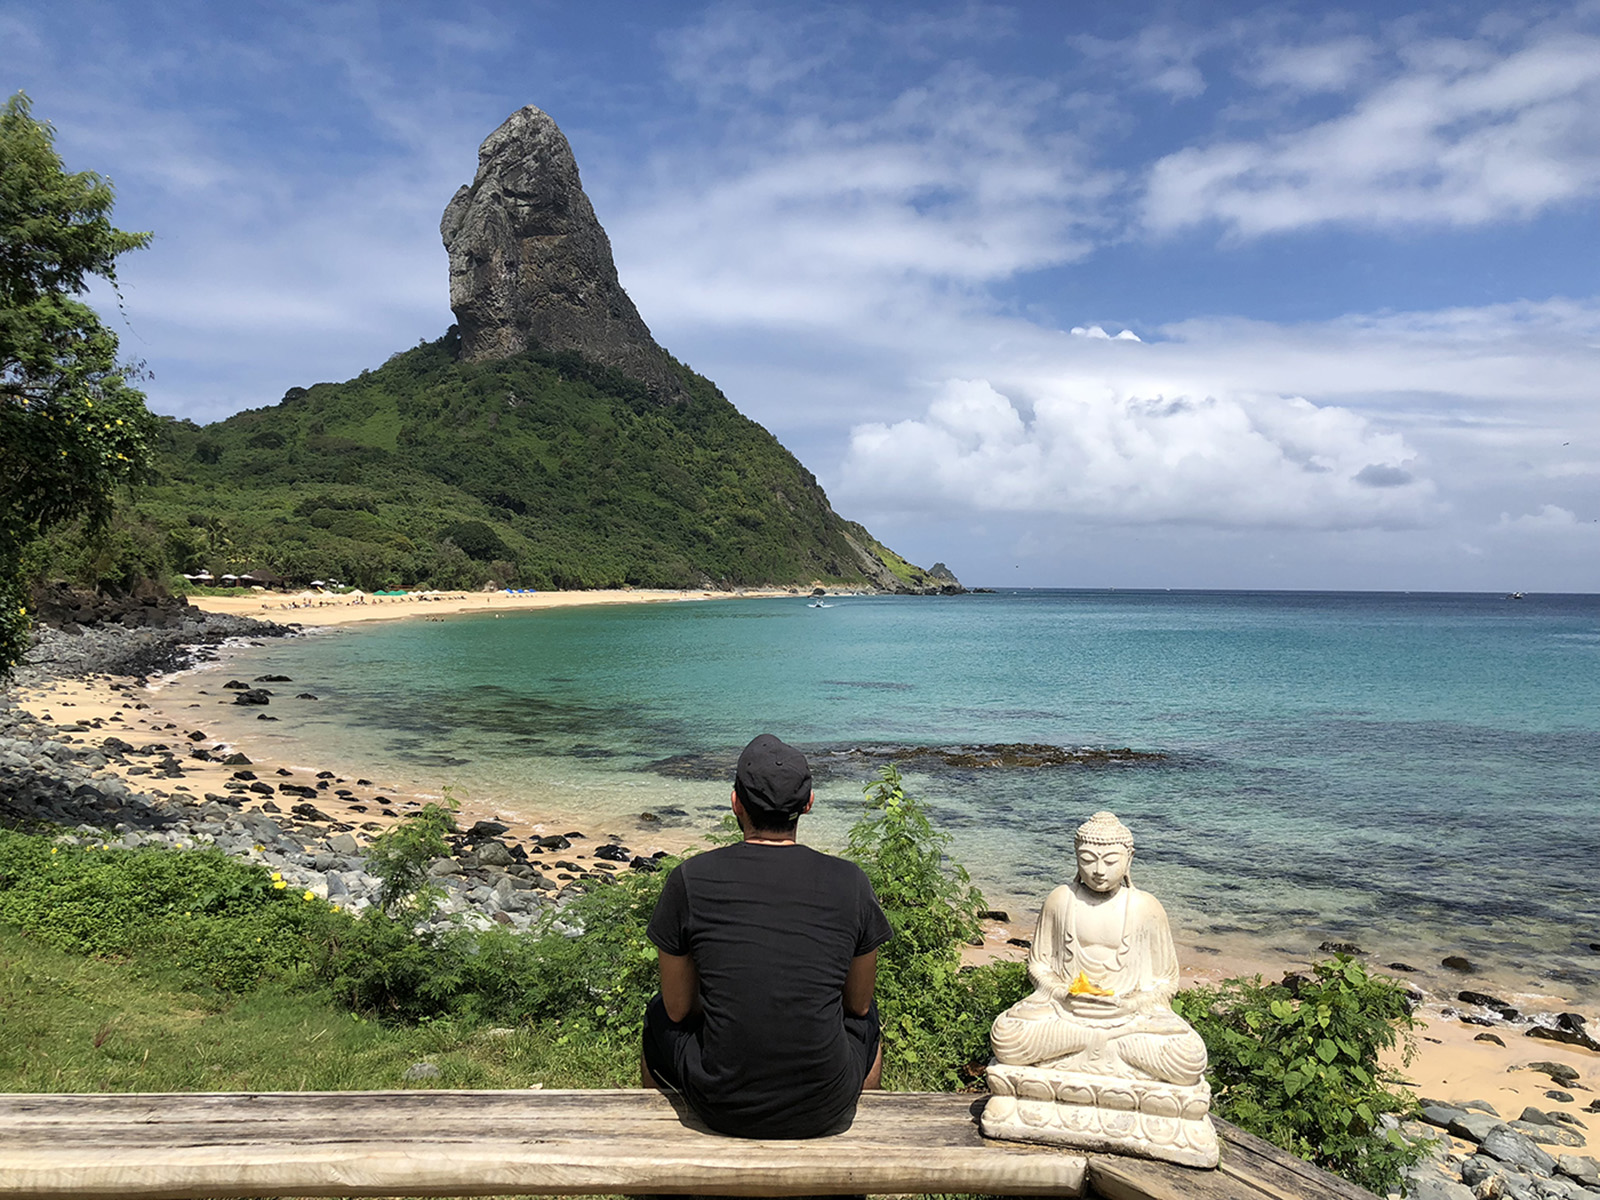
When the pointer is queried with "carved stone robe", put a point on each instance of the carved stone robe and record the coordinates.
(1133, 1027)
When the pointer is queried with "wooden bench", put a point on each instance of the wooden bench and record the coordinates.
(450, 1143)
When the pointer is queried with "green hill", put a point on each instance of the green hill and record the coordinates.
(539, 470)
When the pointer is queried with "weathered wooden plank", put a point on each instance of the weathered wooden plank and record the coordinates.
(1251, 1169)
(1277, 1173)
(434, 1143)
(437, 1143)
(1112, 1177)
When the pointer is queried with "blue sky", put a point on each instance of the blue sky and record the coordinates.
(1169, 295)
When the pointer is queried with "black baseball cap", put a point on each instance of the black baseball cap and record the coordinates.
(773, 777)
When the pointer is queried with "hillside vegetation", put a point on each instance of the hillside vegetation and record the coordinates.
(540, 470)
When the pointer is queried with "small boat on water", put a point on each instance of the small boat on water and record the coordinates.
(819, 604)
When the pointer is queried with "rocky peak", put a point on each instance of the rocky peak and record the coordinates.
(530, 264)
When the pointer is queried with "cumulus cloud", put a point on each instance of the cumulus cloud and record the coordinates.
(1239, 460)
(1330, 66)
(1460, 134)
(1550, 518)
(1098, 331)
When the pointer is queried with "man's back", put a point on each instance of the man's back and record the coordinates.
(772, 930)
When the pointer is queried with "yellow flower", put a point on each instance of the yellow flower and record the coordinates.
(276, 876)
(55, 849)
(1084, 986)
(279, 886)
(309, 895)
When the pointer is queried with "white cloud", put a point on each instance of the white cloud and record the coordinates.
(1240, 460)
(1330, 66)
(1159, 57)
(733, 50)
(951, 183)
(1550, 518)
(1461, 136)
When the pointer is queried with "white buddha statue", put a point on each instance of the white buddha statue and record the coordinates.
(1095, 1057)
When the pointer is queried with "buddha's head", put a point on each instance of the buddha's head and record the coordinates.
(1105, 850)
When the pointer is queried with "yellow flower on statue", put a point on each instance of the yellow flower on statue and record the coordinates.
(1084, 986)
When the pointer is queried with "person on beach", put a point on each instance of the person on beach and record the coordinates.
(768, 952)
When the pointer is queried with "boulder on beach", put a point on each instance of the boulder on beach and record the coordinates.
(1569, 1029)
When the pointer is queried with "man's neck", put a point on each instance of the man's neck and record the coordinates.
(765, 837)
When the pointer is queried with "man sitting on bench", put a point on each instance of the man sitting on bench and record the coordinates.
(769, 953)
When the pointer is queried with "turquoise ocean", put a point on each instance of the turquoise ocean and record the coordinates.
(1417, 774)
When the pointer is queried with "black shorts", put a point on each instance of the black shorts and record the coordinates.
(670, 1045)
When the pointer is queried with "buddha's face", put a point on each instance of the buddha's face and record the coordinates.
(1103, 868)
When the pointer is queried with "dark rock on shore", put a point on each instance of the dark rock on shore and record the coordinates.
(1455, 962)
(1559, 1072)
(1569, 1028)
(187, 638)
(147, 605)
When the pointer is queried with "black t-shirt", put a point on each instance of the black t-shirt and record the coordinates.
(772, 931)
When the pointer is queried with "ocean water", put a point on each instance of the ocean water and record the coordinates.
(1419, 774)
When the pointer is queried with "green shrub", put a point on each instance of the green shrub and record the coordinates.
(401, 854)
(936, 1014)
(219, 922)
(380, 968)
(1297, 1064)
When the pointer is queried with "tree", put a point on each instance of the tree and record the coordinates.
(71, 427)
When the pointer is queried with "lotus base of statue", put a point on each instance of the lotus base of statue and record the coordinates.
(1059, 1107)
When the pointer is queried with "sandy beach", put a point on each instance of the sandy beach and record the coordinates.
(1452, 1063)
(315, 609)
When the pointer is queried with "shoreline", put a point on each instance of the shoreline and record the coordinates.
(1451, 1064)
(341, 610)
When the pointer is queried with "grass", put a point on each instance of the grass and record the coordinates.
(76, 1024)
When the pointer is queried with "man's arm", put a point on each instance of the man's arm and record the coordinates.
(680, 985)
(858, 984)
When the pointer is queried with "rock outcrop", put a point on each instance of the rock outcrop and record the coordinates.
(530, 265)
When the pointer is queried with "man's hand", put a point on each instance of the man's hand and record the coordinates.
(680, 985)
(858, 984)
